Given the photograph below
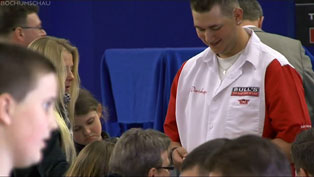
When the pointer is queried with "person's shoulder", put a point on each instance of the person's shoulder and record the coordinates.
(276, 38)
(202, 56)
(268, 52)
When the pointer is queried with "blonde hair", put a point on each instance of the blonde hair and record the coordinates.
(93, 160)
(52, 48)
(67, 140)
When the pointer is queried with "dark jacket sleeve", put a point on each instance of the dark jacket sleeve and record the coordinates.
(308, 82)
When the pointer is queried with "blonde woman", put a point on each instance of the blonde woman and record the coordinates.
(92, 160)
(66, 58)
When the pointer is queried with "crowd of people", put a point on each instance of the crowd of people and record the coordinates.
(253, 117)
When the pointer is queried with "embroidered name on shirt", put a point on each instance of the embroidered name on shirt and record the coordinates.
(245, 91)
(195, 90)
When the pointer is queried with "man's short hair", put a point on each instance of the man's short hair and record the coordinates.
(302, 151)
(226, 6)
(249, 155)
(252, 10)
(20, 69)
(137, 151)
(163, 138)
(200, 154)
(14, 14)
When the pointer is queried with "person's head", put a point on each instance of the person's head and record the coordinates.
(249, 155)
(19, 22)
(28, 91)
(66, 58)
(140, 153)
(88, 112)
(163, 138)
(93, 160)
(194, 163)
(218, 25)
(302, 152)
(252, 13)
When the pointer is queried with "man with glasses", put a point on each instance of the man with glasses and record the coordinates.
(140, 153)
(19, 23)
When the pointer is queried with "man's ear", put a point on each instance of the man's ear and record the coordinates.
(99, 110)
(152, 172)
(18, 34)
(260, 22)
(238, 15)
(6, 108)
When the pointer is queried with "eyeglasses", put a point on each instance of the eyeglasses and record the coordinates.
(32, 27)
(167, 168)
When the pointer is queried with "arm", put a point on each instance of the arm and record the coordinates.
(286, 111)
(177, 152)
(308, 79)
(307, 58)
(170, 124)
(284, 146)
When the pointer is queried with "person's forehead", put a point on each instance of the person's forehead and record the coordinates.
(67, 57)
(33, 19)
(194, 171)
(85, 117)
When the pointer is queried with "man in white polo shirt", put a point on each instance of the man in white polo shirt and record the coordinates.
(237, 86)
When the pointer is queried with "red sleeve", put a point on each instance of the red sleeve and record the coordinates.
(170, 125)
(286, 110)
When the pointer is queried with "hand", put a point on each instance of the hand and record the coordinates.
(178, 155)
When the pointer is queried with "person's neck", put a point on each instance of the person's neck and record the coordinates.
(240, 45)
(10, 39)
(245, 37)
(249, 23)
(5, 160)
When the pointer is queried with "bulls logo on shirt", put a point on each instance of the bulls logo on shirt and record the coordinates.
(243, 101)
(245, 91)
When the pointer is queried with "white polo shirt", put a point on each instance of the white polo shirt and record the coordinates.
(207, 108)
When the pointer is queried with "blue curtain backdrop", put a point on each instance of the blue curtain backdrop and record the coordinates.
(94, 26)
